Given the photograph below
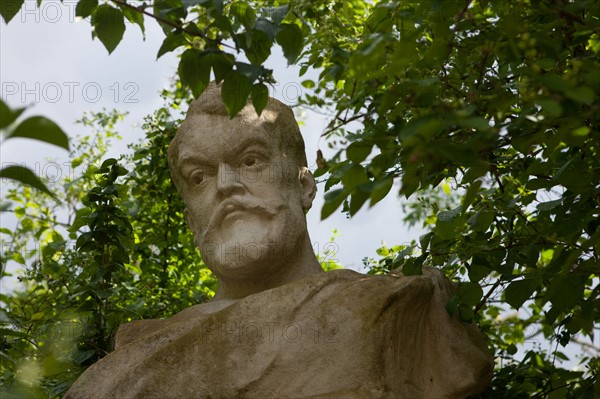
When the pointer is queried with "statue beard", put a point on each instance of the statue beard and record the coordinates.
(248, 239)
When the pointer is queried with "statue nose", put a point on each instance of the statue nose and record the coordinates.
(228, 180)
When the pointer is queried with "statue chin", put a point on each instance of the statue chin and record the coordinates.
(242, 249)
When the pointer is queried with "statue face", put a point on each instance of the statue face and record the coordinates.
(242, 195)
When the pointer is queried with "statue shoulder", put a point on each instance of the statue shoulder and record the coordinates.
(136, 329)
(131, 331)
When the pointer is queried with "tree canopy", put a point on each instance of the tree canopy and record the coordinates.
(485, 114)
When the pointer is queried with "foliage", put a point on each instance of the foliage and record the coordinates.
(55, 325)
(35, 127)
(76, 292)
(502, 102)
(497, 99)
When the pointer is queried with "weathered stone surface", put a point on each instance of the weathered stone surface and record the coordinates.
(279, 327)
(334, 335)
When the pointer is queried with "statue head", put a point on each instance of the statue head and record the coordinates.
(246, 187)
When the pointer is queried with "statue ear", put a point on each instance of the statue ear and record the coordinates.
(308, 187)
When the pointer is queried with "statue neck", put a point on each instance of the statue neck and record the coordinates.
(285, 272)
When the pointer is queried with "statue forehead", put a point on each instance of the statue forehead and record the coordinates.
(213, 134)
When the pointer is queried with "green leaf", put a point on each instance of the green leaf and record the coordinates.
(477, 272)
(354, 176)
(291, 41)
(470, 293)
(10, 332)
(10, 8)
(367, 55)
(191, 3)
(309, 84)
(235, 91)
(554, 82)
(470, 195)
(80, 219)
(256, 45)
(546, 206)
(413, 266)
(519, 291)
(260, 97)
(449, 223)
(106, 165)
(268, 27)
(42, 129)
(173, 40)
(481, 220)
(194, 71)
(135, 17)
(252, 72)
(277, 13)
(221, 63)
(581, 131)
(169, 10)
(333, 200)
(218, 6)
(108, 25)
(452, 305)
(581, 94)
(244, 13)
(82, 356)
(358, 151)
(25, 176)
(85, 8)
(566, 291)
(37, 316)
(551, 108)
(8, 116)
(424, 241)
(381, 189)
(357, 200)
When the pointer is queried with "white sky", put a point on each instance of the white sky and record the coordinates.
(48, 61)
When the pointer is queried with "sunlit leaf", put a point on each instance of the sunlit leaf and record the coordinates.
(25, 176)
(108, 25)
(42, 129)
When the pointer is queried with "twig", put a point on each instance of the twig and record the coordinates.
(487, 296)
(345, 122)
(172, 24)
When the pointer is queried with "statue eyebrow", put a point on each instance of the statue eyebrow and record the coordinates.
(236, 150)
(248, 142)
(193, 160)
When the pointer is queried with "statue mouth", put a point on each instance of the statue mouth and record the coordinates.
(233, 211)
(236, 206)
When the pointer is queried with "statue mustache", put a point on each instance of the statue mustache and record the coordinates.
(245, 204)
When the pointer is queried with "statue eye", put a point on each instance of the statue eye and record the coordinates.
(250, 161)
(196, 178)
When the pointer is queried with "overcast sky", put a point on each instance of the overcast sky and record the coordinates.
(48, 61)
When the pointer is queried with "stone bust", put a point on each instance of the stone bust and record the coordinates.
(278, 326)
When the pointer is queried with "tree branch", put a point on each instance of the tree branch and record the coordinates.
(345, 122)
(487, 296)
(172, 24)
